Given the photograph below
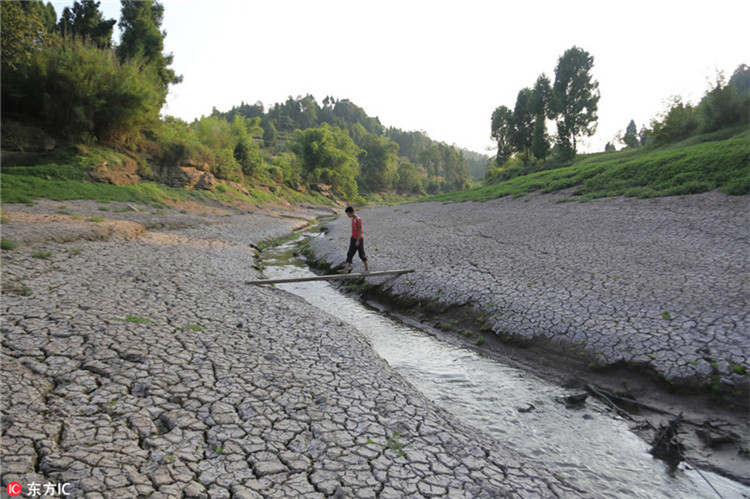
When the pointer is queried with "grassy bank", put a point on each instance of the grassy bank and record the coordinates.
(699, 164)
(65, 177)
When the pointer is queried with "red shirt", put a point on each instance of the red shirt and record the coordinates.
(357, 228)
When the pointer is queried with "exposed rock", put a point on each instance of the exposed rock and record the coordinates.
(116, 174)
(184, 176)
(200, 165)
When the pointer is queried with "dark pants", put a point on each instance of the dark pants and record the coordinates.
(353, 249)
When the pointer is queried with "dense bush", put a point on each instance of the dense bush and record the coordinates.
(84, 93)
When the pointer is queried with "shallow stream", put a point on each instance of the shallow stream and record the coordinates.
(590, 447)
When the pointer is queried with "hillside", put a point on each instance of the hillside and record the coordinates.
(720, 160)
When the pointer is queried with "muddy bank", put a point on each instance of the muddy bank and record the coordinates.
(136, 362)
(648, 298)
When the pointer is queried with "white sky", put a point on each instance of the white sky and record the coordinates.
(443, 67)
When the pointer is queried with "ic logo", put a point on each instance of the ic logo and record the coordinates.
(14, 489)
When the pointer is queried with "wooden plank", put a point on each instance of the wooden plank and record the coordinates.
(330, 277)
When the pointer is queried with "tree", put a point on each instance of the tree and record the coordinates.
(45, 13)
(408, 178)
(22, 33)
(86, 21)
(140, 21)
(430, 159)
(741, 80)
(539, 105)
(575, 98)
(270, 135)
(455, 169)
(501, 131)
(378, 162)
(540, 146)
(631, 138)
(541, 97)
(725, 105)
(329, 156)
(523, 123)
(679, 122)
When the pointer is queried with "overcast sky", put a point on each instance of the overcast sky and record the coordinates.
(443, 66)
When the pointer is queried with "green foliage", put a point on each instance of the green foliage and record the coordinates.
(631, 138)
(409, 181)
(86, 22)
(226, 166)
(575, 98)
(134, 319)
(53, 171)
(7, 244)
(84, 92)
(378, 162)
(42, 254)
(175, 142)
(540, 147)
(290, 167)
(329, 156)
(726, 105)
(24, 189)
(22, 33)
(688, 168)
(680, 122)
(140, 21)
(501, 131)
(522, 136)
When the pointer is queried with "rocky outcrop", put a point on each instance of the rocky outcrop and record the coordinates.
(126, 174)
(188, 177)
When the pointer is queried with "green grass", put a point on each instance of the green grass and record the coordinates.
(134, 319)
(68, 180)
(43, 254)
(699, 164)
(27, 188)
(7, 244)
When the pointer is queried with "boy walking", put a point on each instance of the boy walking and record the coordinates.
(357, 242)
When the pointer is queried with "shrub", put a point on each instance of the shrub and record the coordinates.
(85, 92)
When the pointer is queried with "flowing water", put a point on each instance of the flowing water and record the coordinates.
(589, 447)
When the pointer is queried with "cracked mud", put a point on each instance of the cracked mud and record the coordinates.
(137, 363)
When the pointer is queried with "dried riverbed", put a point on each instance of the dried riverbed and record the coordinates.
(618, 292)
(136, 362)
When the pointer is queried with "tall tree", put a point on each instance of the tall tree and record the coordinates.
(22, 32)
(140, 22)
(631, 138)
(540, 145)
(523, 123)
(328, 156)
(500, 131)
(378, 161)
(539, 105)
(85, 20)
(542, 96)
(575, 98)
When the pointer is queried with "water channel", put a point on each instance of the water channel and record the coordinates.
(592, 449)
